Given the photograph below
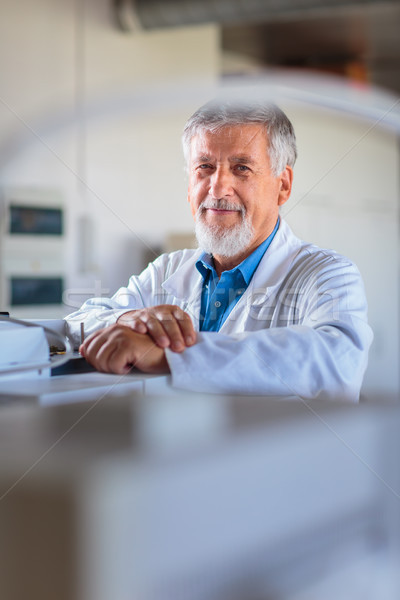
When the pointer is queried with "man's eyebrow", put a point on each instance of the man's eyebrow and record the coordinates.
(202, 158)
(244, 158)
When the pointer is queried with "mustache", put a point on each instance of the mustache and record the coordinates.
(220, 204)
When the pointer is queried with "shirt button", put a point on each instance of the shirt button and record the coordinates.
(217, 304)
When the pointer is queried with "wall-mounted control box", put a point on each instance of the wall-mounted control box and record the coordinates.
(32, 251)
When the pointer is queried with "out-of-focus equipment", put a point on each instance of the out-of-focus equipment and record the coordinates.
(32, 252)
(27, 346)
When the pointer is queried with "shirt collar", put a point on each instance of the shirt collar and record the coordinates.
(205, 264)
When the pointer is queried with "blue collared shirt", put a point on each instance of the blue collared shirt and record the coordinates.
(219, 296)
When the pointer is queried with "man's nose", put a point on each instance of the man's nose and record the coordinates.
(221, 184)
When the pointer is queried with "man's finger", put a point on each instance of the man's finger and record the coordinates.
(172, 329)
(159, 332)
(186, 326)
(119, 361)
(98, 351)
(90, 342)
(167, 325)
(138, 325)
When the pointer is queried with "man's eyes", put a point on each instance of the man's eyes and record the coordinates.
(239, 168)
(203, 167)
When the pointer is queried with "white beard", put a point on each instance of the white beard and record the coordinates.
(218, 241)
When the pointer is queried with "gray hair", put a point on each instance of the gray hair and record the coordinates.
(280, 133)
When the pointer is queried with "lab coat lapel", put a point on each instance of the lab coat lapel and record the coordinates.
(185, 284)
(274, 265)
(273, 268)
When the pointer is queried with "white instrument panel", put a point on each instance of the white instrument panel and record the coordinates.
(32, 251)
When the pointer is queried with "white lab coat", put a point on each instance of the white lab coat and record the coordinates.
(300, 329)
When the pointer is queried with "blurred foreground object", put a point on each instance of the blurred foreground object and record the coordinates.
(199, 497)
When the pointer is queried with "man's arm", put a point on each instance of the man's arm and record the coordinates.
(143, 291)
(317, 346)
(325, 363)
(116, 349)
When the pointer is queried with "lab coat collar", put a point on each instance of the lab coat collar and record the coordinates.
(272, 269)
(185, 277)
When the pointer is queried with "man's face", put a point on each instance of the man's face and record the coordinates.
(230, 180)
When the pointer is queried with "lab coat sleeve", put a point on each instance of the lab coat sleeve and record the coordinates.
(322, 355)
(142, 290)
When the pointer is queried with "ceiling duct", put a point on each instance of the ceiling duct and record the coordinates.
(152, 14)
(358, 39)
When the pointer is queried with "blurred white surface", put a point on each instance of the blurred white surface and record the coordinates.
(260, 500)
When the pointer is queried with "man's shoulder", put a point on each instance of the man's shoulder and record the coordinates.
(304, 250)
(294, 260)
(326, 257)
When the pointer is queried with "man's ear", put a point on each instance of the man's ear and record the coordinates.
(286, 181)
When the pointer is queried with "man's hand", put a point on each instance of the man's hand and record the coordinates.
(166, 324)
(116, 349)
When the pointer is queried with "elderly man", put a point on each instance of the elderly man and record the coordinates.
(254, 310)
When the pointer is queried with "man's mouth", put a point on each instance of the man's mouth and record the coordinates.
(220, 208)
(223, 211)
